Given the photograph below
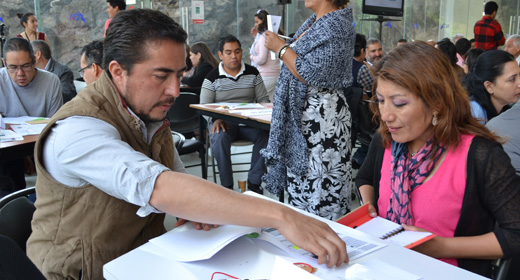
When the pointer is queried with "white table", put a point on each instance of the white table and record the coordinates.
(250, 258)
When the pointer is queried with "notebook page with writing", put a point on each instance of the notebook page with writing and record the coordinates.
(380, 227)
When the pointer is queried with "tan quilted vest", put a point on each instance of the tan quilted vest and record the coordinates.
(81, 229)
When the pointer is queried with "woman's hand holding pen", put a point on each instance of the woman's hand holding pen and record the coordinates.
(273, 42)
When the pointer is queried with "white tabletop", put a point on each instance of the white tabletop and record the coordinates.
(252, 258)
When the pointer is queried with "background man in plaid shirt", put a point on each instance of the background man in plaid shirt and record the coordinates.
(488, 32)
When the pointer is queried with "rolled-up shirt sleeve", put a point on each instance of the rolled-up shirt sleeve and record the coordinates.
(85, 150)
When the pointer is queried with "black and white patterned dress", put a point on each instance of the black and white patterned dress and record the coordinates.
(308, 153)
(326, 189)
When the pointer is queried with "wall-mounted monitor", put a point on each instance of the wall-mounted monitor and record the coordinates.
(383, 7)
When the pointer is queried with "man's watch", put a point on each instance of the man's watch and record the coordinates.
(282, 51)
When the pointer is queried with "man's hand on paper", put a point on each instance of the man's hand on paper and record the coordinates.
(219, 125)
(314, 236)
(196, 225)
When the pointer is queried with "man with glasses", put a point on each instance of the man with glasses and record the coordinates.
(91, 61)
(26, 91)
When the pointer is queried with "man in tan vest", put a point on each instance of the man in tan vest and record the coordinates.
(108, 170)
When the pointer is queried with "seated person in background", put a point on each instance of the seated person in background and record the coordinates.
(513, 46)
(108, 169)
(433, 167)
(91, 61)
(505, 125)
(203, 61)
(471, 58)
(449, 49)
(374, 53)
(43, 60)
(462, 46)
(358, 61)
(401, 42)
(493, 84)
(25, 91)
(235, 81)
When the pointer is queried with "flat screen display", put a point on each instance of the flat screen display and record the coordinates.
(383, 7)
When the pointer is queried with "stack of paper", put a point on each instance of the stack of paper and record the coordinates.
(7, 135)
(253, 112)
(25, 129)
(188, 244)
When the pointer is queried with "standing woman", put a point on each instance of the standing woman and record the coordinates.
(309, 143)
(493, 84)
(203, 62)
(268, 67)
(30, 23)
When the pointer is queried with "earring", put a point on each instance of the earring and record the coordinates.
(434, 119)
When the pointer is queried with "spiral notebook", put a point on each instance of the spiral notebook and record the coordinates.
(383, 228)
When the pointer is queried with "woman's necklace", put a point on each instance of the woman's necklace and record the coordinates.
(27, 36)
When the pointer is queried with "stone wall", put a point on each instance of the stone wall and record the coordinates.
(71, 24)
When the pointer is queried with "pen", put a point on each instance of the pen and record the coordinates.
(285, 37)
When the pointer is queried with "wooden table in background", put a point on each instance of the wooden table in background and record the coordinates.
(17, 149)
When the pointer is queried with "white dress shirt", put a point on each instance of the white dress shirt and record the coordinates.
(84, 150)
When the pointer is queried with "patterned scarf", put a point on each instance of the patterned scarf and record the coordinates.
(408, 173)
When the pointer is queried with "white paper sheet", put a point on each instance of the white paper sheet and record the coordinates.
(233, 106)
(7, 135)
(253, 112)
(25, 129)
(188, 244)
(19, 120)
(356, 248)
(273, 25)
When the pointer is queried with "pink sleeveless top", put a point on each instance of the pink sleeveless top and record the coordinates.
(436, 204)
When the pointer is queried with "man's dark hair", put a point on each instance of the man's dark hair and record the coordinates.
(18, 44)
(227, 39)
(121, 4)
(463, 45)
(472, 40)
(490, 7)
(359, 44)
(93, 52)
(402, 41)
(132, 31)
(43, 47)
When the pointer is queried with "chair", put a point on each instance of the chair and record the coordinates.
(500, 269)
(184, 120)
(238, 143)
(14, 263)
(363, 127)
(16, 212)
(182, 117)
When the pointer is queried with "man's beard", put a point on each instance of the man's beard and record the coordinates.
(146, 118)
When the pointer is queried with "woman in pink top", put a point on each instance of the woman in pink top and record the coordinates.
(433, 167)
(268, 67)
